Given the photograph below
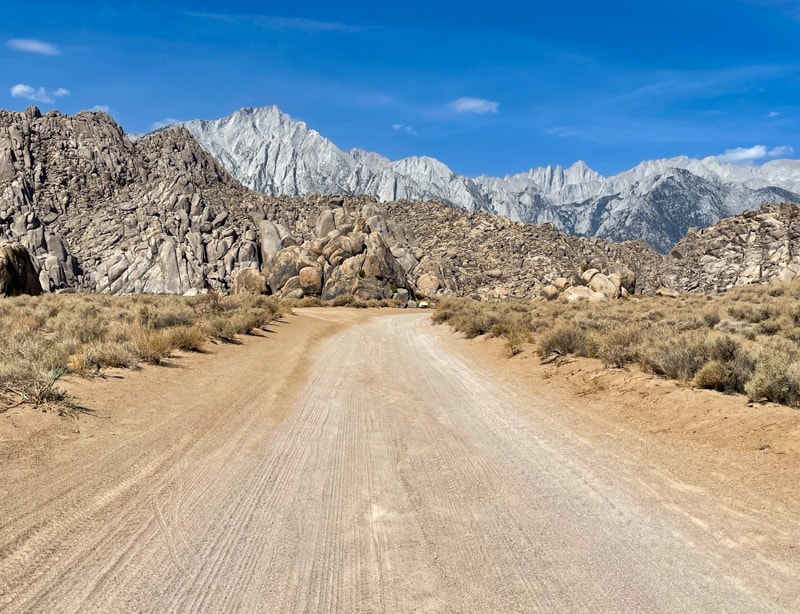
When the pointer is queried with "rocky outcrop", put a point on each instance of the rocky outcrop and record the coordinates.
(18, 273)
(449, 251)
(755, 247)
(101, 213)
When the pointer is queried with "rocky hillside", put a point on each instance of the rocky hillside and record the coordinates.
(658, 200)
(758, 246)
(100, 213)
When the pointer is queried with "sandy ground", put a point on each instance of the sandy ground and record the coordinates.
(354, 461)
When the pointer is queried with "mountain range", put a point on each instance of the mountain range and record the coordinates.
(658, 200)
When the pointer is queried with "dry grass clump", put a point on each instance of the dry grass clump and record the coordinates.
(47, 336)
(747, 341)
(777, 375)
(564, 339)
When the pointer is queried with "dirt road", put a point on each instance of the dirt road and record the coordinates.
(352, 462)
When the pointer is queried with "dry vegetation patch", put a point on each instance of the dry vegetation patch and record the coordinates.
(745, 342)
(48, 336)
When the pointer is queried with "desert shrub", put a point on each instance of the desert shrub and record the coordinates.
(161, 317)
(220, 328)
(564, 339)
(730, 375)
(713, 376)
(675, 357)
(617, 348)
(208, 304)
(187, 338)
(777, 375)
(711, 318)
(98, 355)
(309, 301)
(752, 313)
(516, 338)
(246, 321)
(475, 323)
(342, 300)
(152, 346)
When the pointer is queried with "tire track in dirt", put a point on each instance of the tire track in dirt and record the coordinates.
(398, 477)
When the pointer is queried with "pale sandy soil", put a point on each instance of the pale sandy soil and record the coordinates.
(365, 461)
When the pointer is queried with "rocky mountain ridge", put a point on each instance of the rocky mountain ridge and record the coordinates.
(100, 213)
(97, 212)
(658, 200)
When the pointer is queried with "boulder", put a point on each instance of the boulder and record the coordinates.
(292, 288)
(550, 292)
(587, 275)
(270, 240)
(311, 280)
(281, 268)
(603, 285)
(626, 276)
(561, 283)
(581, 293)
(249, 280)
(368, 289)
(18, 274)
(325, 223)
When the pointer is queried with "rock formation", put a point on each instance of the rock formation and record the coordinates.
(759, 246)
(98, 212)
(18, 273)
(103, 214)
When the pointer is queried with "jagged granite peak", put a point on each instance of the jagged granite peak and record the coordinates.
(658, 200)
(99, 212)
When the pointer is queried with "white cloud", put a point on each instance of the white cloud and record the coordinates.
(21, 90)
(773, 114)
(30, 45)
(783, 150)
(743, 155)
(748, 155)
(101, 107)
(167, 121)
(481, 106)
(403, 128)
(61, 92)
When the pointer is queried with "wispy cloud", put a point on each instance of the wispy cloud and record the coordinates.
(773, 114)
(403, 129)
(778, 152)
(481, 106)
(280, 23)
(167, 121)
(101, 107)
(23, 90)
(561, 131)
(749, 155)
(30, 45)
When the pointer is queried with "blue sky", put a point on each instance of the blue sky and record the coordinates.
(492, 88)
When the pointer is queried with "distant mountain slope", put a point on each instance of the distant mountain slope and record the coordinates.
(658, 200)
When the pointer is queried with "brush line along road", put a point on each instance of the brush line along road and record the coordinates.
(368, 469)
